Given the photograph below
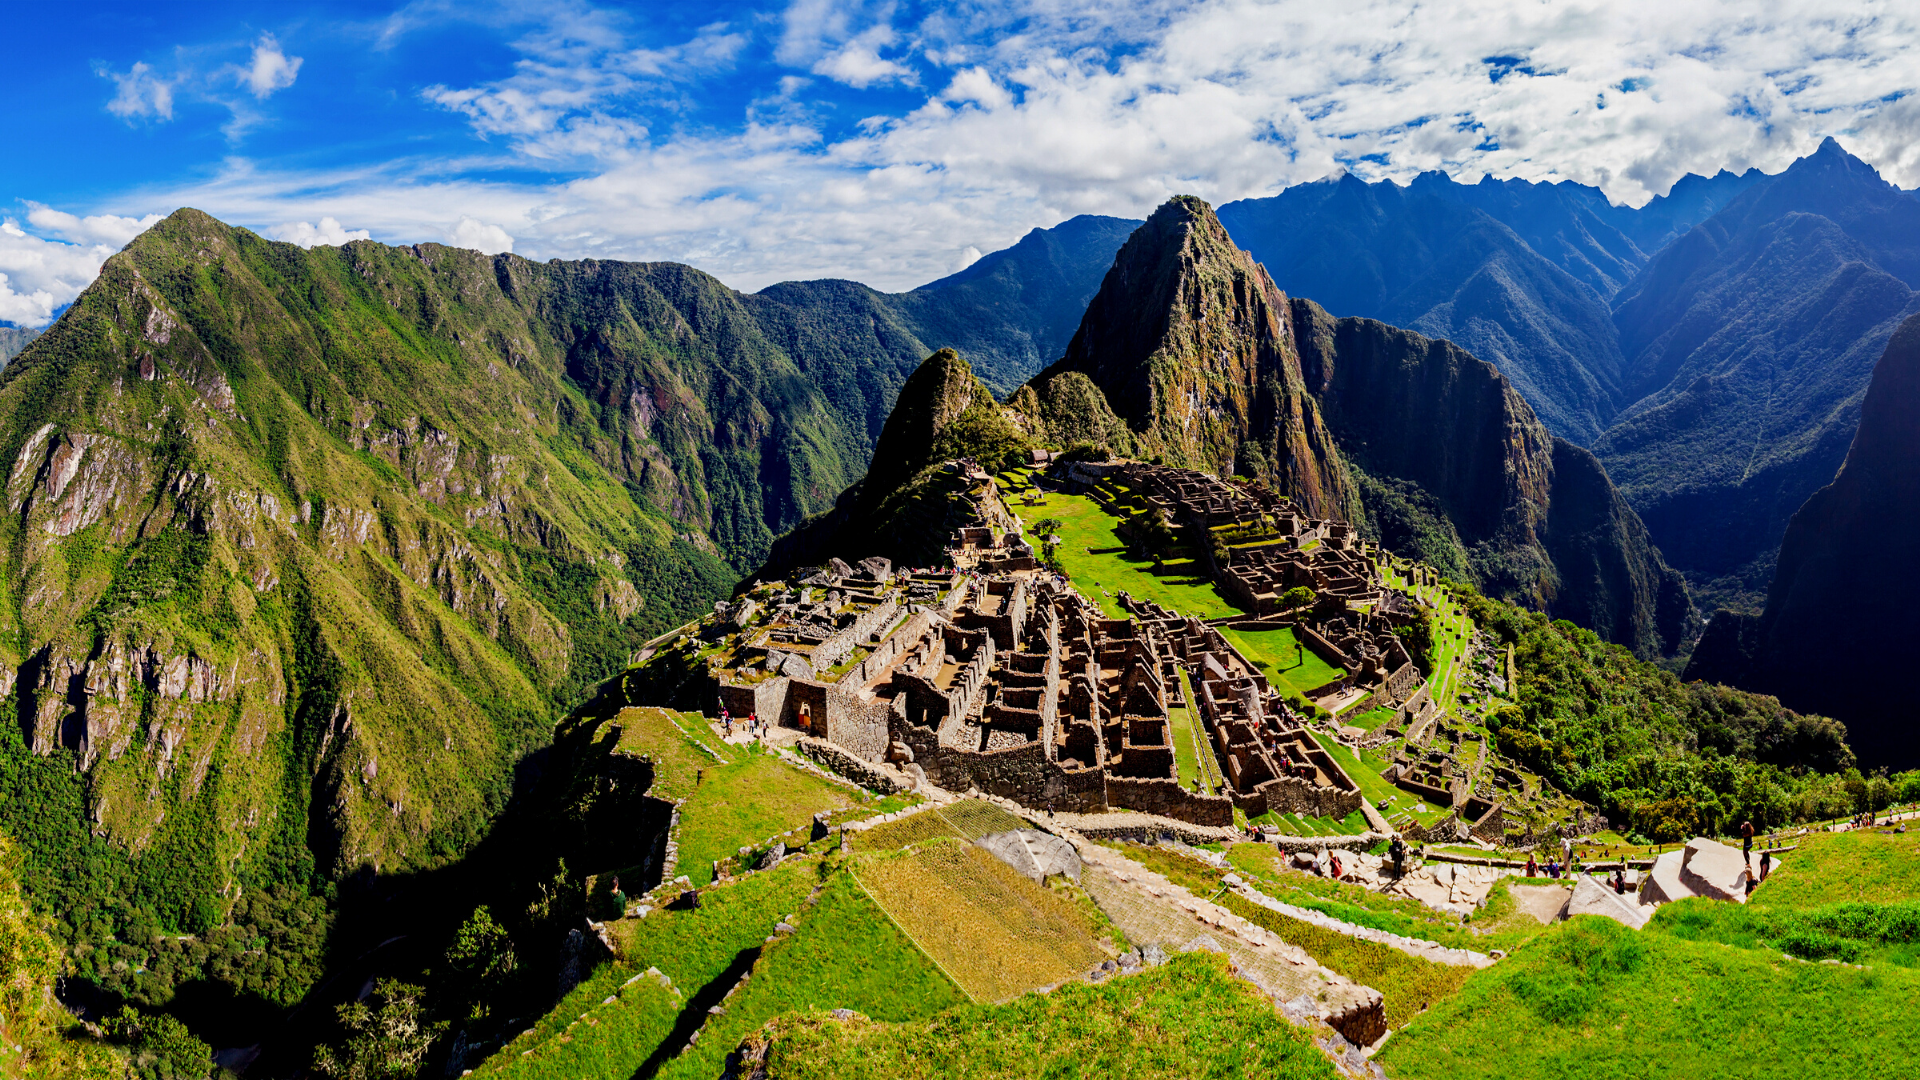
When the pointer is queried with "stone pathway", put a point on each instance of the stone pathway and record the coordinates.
(1149, 909)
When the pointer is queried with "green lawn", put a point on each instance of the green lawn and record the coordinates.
(1371, 720)
(1830, 867)
(1299, 825)
(1591, 998)
(1292, 667)
(673, 741)
(745, 802)
(1365, 771)
(1190, 1018)
(1192, 750)
(845, 955)
(1180, 584)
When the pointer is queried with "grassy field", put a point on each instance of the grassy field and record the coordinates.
(1830, 867)
(1591, 998)
(1371, 719)
(1452, 630)
(1188, 1019)
(996, 933)
(1293, 668)
(1407, 984)
(846, 954)
(1180, 584)
(735, 795)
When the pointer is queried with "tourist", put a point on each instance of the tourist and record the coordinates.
(1620, 880)
(1334, 862)
(1532, 867)
(1746, 841)
(1766, 864)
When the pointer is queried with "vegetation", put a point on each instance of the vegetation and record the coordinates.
(1187, 1019)
(1591, 998)
(1668, 759)
(38, 1038)
(1179, 583)
(384, 1038)
(1293, 668)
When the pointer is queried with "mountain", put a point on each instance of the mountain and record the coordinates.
(13, 339)
(1013, 311)
(1749, 342)
(1839, 615)
(308, 547)
(1200, 357)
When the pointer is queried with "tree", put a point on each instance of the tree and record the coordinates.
(386, 1042)
(1297, 597)
(480, 961)
(160, 1047)
(1048, 527)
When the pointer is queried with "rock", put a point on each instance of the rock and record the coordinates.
(1713, 869)
(839, 568)
(1035, 854)
(784, 928)
(773, 856)
(1590, 897)
(1153, 955)
(879, 567)
(1663, 881)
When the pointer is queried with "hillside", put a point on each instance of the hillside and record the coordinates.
(1748, 345)
(1196, 352)
(1833, 607)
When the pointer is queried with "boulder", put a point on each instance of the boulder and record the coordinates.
(838, 568)
(878, 567)
(1035, 854)
(1714, 870)
(1593, 897)
(1663, 881)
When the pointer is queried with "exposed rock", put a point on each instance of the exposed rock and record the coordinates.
(1714, 870)
(1664, 884)
(1591, 897)
(1035, 854)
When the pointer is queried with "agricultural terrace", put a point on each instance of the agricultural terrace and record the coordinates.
(1452, 631)
(735, 795)
(1086, 527)
(1366, 769)
(1189, 1018)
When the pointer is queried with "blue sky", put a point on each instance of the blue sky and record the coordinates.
(889, 142)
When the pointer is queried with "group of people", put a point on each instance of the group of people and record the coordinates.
(753, 725)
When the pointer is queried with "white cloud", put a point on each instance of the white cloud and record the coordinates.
(271, 69)
(103, 229)
(479, 236)
(1035, 110)
(139, 93)
(39, 275)
(329, 232)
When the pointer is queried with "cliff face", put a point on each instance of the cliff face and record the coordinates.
(1838, 632)
(1191, 344)
(1209, 365)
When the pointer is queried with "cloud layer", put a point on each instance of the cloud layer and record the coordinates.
(889, 142)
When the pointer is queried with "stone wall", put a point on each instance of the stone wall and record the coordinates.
(843, 641)
(836, 759)
(1292, 795)
(1168, 799)
(767, 699)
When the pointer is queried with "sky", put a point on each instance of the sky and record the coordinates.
(890, 142)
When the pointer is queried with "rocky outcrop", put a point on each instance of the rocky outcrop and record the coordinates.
(1839, 619)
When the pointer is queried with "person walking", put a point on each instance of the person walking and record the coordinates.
(1533, 868)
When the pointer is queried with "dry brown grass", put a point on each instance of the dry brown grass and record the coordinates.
(994, 932)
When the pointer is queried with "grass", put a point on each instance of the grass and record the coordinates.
(585, 1035)
(1830, 867)
(1292, 667)
(744, 802)
(846, 954)
(1591, 998)
(1372, 719)
(1408, 984)
(1192, 750)
(1300, 825)
(1188, 1019)
(672, 741)
(995, 932)
(1181, 584)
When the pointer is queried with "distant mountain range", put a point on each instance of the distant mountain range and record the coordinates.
(1711, 347)
(13, 339)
